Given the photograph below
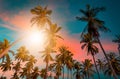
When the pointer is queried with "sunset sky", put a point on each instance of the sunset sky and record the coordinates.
(15, 19)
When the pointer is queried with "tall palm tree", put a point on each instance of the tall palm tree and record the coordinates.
(52, 33)
(93, 26)
(88, 43)
(117, 40)
(87, 69)
(57, 67)
(47, 57)
(63, 56)
(42, 16)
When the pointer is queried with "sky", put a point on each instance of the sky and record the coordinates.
(15, 19)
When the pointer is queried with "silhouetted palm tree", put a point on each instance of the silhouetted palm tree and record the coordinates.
(77, 69)
(88, 43)
(117, 40)
(63, 56)
(100, 64)
(6, 66)
(43, 73)
(87, 69)
(41, 16)
(16, 69)
(115, 61)
(94, 25)
(36, 73)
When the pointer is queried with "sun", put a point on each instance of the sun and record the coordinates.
(36, 37)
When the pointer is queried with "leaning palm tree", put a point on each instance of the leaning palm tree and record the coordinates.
(93, 26)
(42, 16)
(3, 46)
(117, 40)
(88, 43)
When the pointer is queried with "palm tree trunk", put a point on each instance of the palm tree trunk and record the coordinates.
(63, 72)
(71, 74)
(45, 77)
(96, 67)
(114, 74)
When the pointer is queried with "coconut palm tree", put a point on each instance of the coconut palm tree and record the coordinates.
(63, 56)
(16, 68)
(6, 66)
(36, 73)
(77, 68)
(52, 34)
(69, 62)
(88, 43)
(87, 69)
(93, 26)
(42, 16)
(4, 45)
(22, 54)
(27, 70)
(117, 40)
(43, 73)
(47, 57)
(100, 64)
(115, 61)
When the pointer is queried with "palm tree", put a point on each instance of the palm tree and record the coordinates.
(63, 56)
(100, 64)
(42, 16)
(88, 43)
(22, 54)
(43, 73)
(16, 68)
(27, 70)
(93, 26)
(115, 61)
(35, 73)
(6, 66)
(52, 34)
(117, 40)
(47, 57)
(69, 62)
(57, 67)
(4, 45)
(77, 68)
(87, 69)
